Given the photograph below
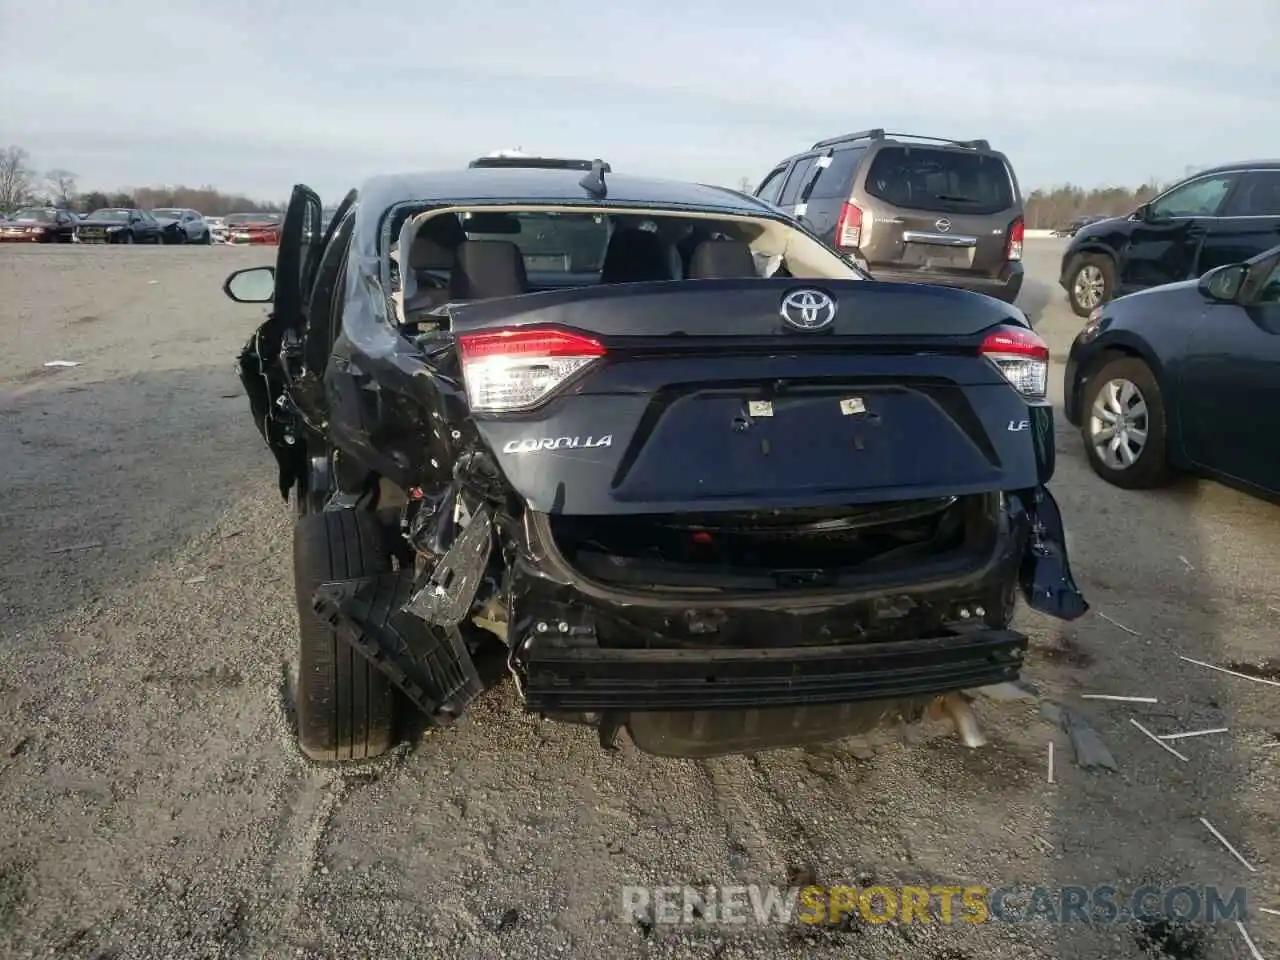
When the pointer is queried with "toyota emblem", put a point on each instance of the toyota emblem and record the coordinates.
(808, 310)
(943, 225)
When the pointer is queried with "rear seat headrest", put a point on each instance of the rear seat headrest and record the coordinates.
(722, 260)
(435, 242)
(636, 256)
(487, 268)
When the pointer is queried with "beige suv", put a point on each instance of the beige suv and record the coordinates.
(915, 209)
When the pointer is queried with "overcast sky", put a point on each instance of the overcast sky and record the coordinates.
(253, 95)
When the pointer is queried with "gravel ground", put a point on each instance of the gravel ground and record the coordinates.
(157, 807)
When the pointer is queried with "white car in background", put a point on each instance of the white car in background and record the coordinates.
(191, 223)
(217, 228)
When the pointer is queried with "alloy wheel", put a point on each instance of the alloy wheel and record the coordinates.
(1089, 287)
(1119, 424)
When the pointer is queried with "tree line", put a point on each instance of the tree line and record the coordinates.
(1048, 209)
(21, 185)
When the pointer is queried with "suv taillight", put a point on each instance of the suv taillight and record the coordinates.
(1016, 231)
(1022, 357)
(508, 370)
(849, 227)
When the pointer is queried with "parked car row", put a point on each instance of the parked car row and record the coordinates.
(168, 225)
(1177, 370)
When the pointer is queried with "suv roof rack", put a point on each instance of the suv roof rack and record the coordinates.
(878, 133)
(537, 163)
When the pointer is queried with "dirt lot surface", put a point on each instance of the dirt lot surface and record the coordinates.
(155, 806)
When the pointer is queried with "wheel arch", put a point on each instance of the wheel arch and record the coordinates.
(1126, 344)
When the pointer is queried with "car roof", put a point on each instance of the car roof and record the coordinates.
(890, 141)
(1236, 165)
(541, 186)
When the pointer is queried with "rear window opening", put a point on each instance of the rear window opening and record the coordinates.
(770, 550)
(506, 251)
(941, 180)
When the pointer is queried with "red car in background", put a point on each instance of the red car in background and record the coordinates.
(255, 228)
(39, 225)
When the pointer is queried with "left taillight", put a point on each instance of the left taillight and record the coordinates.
(1022, 357)
(510, 370)
(1017, 232)
(849, 227)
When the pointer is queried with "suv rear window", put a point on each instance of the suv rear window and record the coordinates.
(943, 181)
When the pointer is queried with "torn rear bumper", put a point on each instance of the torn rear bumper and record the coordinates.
(564, 677)
(702, 672)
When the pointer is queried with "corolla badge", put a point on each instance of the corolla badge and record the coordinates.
(540, 444)
(808, 310)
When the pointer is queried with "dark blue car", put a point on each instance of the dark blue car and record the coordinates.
(1184, 378)
(652, 449)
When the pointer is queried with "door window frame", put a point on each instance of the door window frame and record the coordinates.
(1240, 189)
(1236, 177)
(780, 175)
(800, 169)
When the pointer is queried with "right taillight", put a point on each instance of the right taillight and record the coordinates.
(1017, 231)
(849, 227)
(1022, 357)
(509, 370)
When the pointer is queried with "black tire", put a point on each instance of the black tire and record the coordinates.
(128, 237)
(1105, 269)
(206, 238)
(345, 707)
(1151, 467)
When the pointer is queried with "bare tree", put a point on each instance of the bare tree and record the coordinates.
(15, 178)
(62, 187)
(744, 185)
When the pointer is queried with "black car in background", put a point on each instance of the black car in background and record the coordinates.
(120, 225)
(1184, 377)
(1221, 216)
(1074, 226)
(39, 225)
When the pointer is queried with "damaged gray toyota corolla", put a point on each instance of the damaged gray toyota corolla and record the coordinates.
(652, 449)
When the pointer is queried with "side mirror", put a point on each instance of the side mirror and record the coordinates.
(1143, 213)
(1223, 284)
(251, 285)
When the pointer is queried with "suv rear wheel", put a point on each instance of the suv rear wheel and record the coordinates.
(1091, 283)
(345, 707)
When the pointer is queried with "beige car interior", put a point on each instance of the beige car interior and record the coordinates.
(449, 267)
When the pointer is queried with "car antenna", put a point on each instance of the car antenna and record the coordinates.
(593, 182)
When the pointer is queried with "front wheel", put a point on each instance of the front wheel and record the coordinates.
(345, 707)
(1124, 425)
(206, 238)
(1091, 283)
(128, 236)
